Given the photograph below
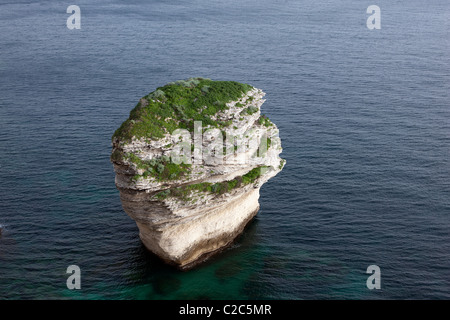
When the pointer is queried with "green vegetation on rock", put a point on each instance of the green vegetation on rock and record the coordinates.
(184, 192)
(282, 162)
(159, 168)
(264, 121)
(177, 105)
(117, 156)
(249, 110)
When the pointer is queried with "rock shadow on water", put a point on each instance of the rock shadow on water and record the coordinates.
(229, 269)
(166, 285)
(235, 260)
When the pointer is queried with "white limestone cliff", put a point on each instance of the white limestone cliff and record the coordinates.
(187, 219)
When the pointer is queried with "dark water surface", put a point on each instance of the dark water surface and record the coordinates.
(364, 118)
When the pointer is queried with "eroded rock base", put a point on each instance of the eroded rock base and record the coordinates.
(190, 240)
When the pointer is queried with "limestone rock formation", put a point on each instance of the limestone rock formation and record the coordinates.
(189, 163)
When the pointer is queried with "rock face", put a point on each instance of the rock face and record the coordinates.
(189, 164)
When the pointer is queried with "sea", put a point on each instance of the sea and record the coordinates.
(364, 120)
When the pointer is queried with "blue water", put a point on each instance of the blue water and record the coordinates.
(364, 118)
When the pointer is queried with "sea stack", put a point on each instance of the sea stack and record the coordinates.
(189, 163)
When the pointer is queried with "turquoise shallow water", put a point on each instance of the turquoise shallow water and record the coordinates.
(363, 117)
